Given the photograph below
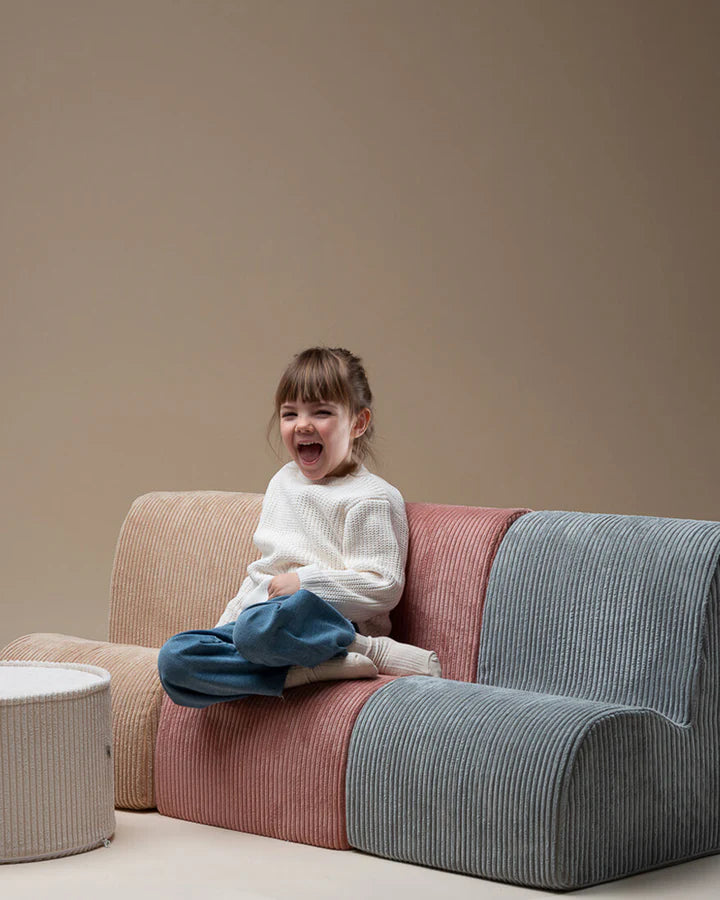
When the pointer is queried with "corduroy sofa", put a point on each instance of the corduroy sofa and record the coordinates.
(572, 740)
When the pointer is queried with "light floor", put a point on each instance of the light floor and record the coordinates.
(152, 855)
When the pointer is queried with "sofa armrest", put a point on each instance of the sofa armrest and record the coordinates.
(136, 697)
(553, 792)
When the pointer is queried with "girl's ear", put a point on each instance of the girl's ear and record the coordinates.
(362, 421)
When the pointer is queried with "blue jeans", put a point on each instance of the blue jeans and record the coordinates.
(252, 655)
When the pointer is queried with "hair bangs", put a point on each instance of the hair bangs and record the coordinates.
(317, 380)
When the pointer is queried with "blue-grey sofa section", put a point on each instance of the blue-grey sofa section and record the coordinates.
(588, 749)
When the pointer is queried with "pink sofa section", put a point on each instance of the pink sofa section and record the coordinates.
(268, 765)
(276, 766)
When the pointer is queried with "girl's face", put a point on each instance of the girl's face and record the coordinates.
(328, 429)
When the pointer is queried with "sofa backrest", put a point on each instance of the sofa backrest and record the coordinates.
(606, 607)
(181, 556)
(450, 554)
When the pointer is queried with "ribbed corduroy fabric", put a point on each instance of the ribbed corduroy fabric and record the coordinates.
(136, 698)
(294, 789)
(266, 765)
(597, 755)
(463, 777)
(179, 558)
(56, 779)
(602, 606)
(647, 786)
(450, 552)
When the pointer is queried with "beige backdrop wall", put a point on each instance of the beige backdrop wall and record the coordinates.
(508, 209)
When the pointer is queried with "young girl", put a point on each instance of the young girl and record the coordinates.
(333, 538)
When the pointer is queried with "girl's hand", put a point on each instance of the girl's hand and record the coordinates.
(283, 584)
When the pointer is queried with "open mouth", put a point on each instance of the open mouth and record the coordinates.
(310, 453)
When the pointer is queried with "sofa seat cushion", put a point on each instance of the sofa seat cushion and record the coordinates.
(273, 766)
(533, 789)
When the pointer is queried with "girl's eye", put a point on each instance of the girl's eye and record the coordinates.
(320, 412)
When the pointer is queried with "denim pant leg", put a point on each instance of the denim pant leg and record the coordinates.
(299, 629)
(201, 667)
(253, 654)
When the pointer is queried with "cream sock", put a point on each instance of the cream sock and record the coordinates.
(394, 658)
(354, 665)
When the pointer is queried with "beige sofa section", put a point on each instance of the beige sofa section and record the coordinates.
(180, 557)
(136, 696)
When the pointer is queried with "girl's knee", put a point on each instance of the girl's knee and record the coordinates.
(258, 637)
(245, 641)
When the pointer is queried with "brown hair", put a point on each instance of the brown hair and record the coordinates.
(336, 376)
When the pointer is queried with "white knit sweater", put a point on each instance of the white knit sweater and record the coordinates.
(345, 537)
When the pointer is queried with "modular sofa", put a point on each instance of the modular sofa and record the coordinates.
(573, 738)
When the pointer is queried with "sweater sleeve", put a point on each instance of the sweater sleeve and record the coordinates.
(374, 551)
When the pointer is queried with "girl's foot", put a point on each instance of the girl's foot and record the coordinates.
(354, 665)
(393, 658)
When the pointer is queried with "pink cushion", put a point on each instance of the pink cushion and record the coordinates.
(450, 553)
(267, 765)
